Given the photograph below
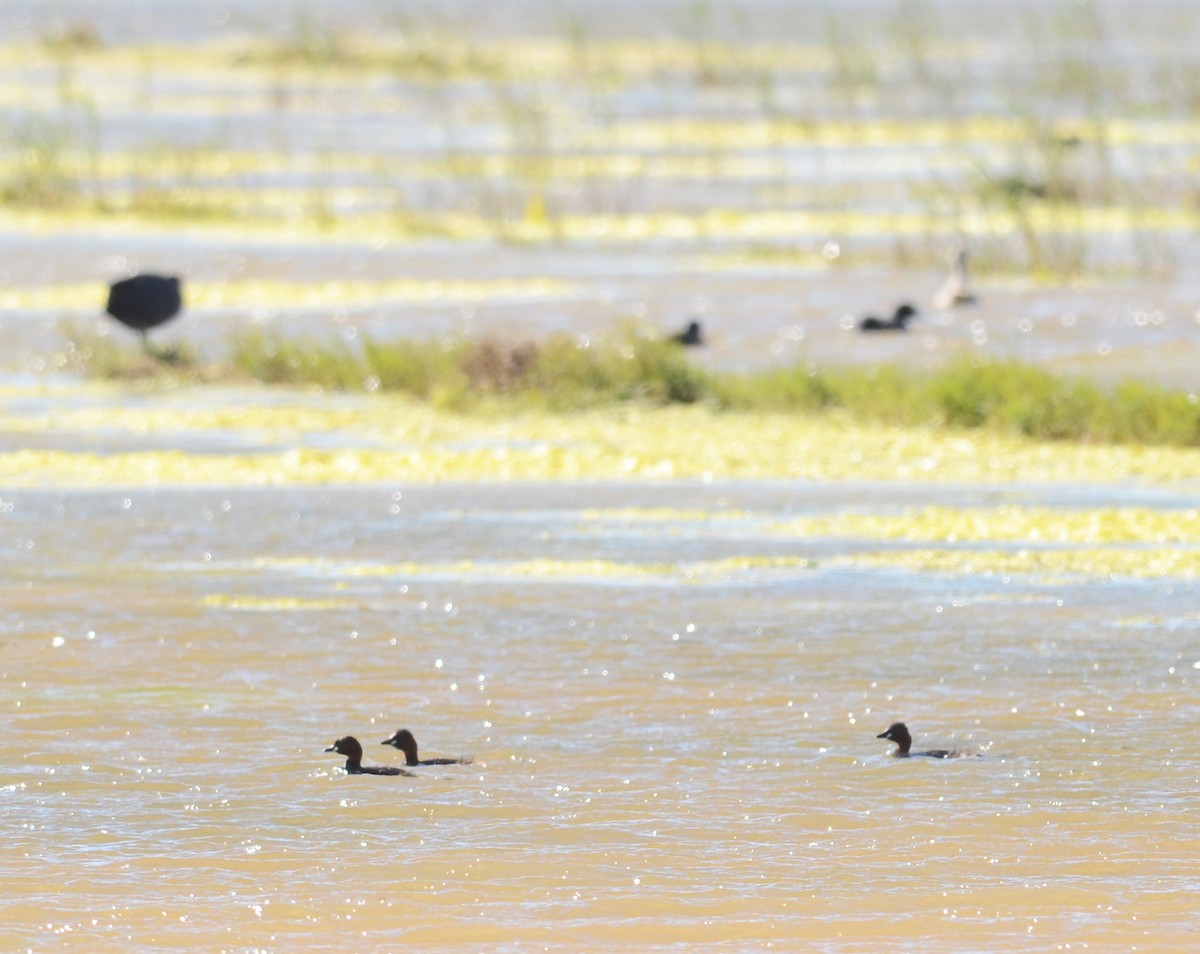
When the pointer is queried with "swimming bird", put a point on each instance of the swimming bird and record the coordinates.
(897, 322)
(956, 290)
(690, 337)
(898, 732)
(352, 749)
(406, 743)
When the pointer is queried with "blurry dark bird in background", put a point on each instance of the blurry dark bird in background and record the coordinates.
(690, 337)
(897, 322)
(144, 302)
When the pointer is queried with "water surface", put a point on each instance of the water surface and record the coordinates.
(674, 735)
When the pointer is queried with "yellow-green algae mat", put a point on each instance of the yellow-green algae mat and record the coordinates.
(1049, 543)
(1041, 541)
(1049, 565)
(394, 440)
(546, 570)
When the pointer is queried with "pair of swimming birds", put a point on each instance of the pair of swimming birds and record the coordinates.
(402, 740)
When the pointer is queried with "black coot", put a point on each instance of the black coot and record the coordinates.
(144, 302)
(691, 337)
(898, 322)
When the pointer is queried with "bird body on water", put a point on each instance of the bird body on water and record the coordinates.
(406, 743)
(898, 322)
(957, 288)
(352, 749)
(692, 336)
(898, 732)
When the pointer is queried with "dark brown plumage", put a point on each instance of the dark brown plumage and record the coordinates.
(691, 337)
(406, 743)
(352, 749)
(898, 322)
(898, 732)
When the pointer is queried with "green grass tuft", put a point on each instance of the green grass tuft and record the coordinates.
(560, 373)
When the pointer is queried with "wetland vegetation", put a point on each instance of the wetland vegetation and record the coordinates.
(562, 373)
(820, 144)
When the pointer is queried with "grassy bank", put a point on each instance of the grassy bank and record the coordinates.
(561, 374)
